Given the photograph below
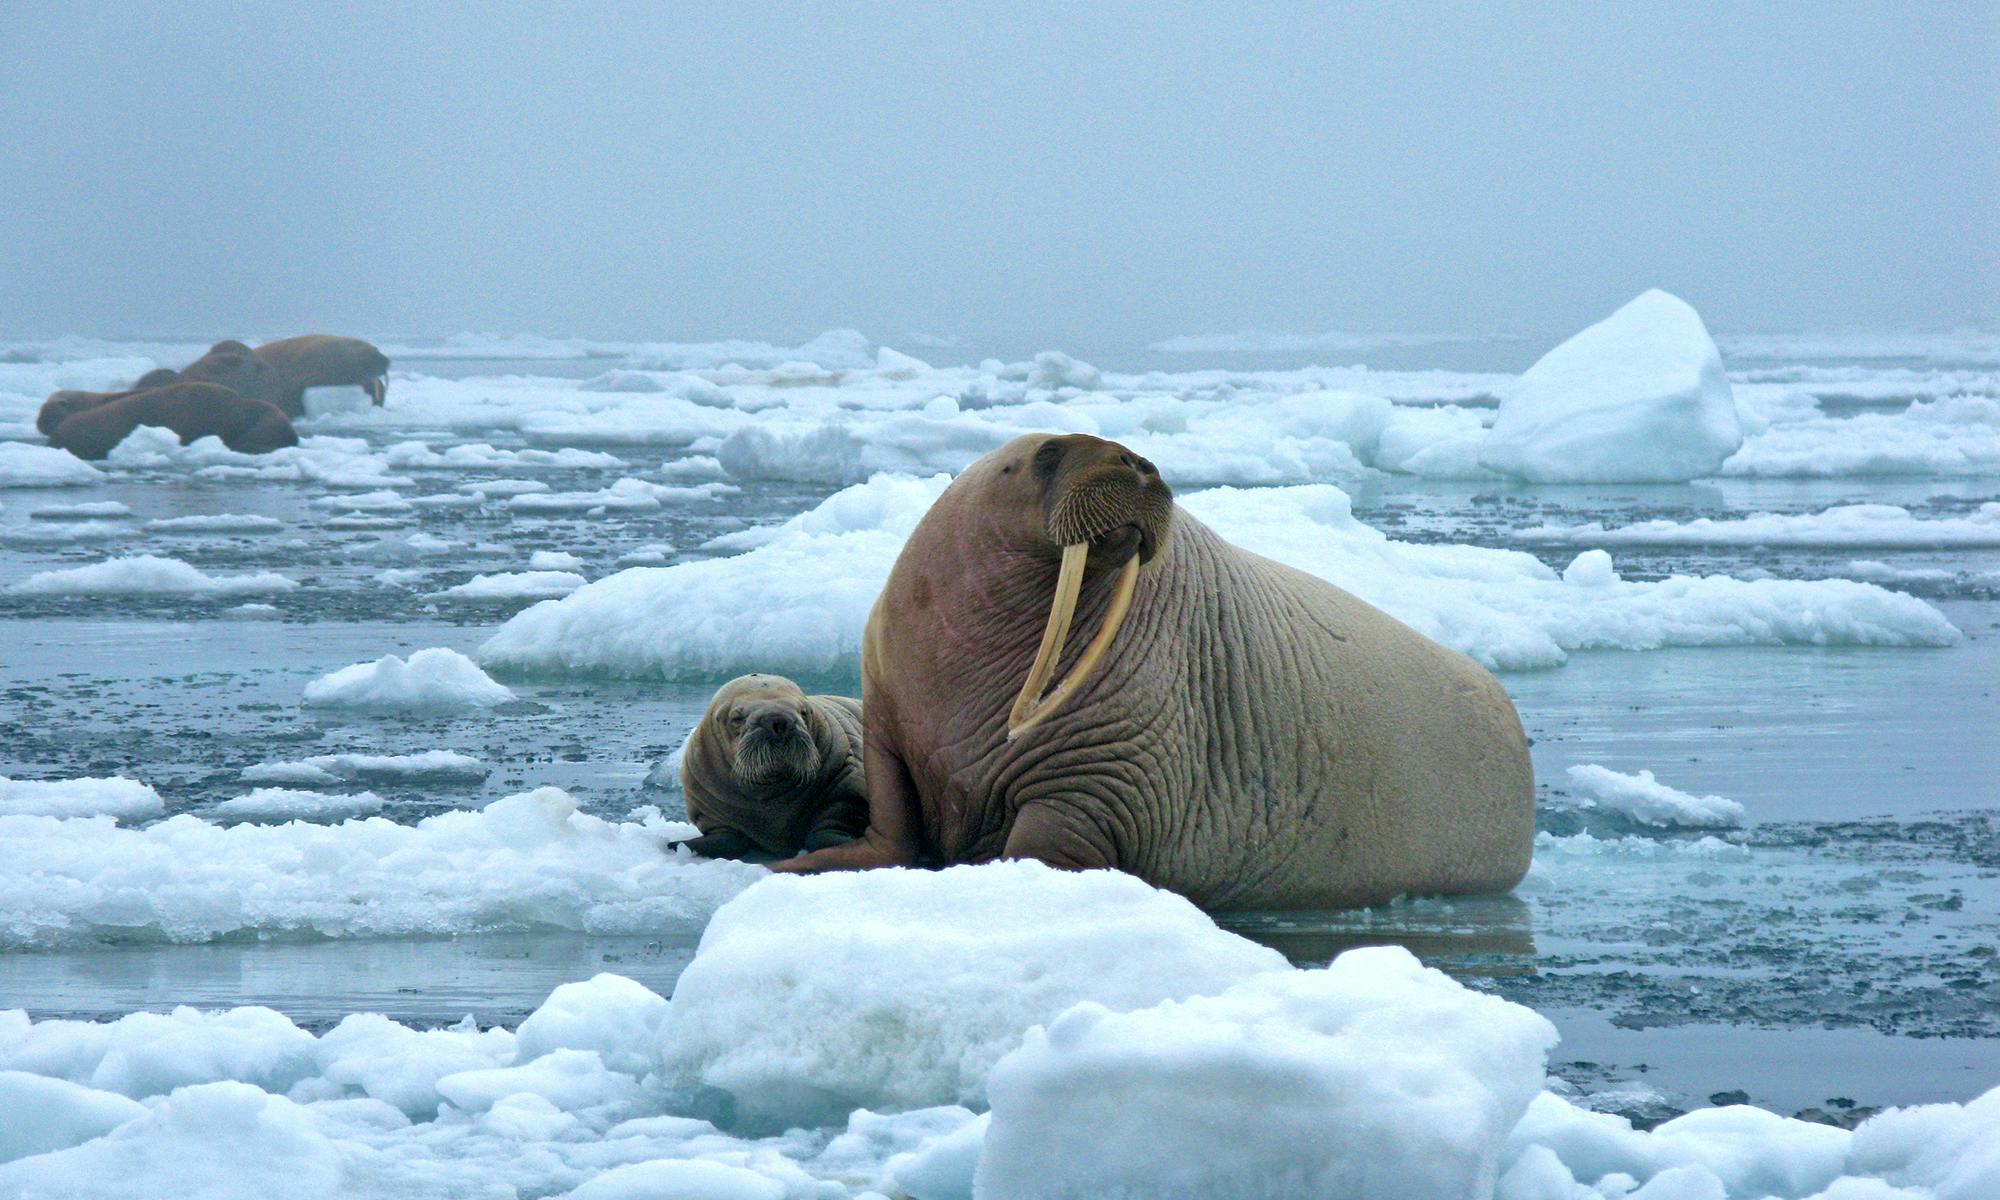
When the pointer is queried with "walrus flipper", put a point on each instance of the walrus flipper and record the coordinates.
(841, 822)
(726, 843)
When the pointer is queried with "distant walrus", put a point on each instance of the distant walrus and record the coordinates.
(1237, 731)
(190, 410)
(322, 360)
(771, 771)
(61, 406)
(233, 365)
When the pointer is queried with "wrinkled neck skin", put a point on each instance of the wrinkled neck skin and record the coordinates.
(775, 815)
(952, 639)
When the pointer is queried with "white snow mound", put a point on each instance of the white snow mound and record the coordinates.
(1375, 1076)
(1650, 802)
(894, 989)
(1639, 397)
(435, 680)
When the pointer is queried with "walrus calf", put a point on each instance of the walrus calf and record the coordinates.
(323, 360)
(771, 771)
(191, 410)
(1237, 731)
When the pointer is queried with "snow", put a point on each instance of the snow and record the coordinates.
(436, 680)
(1847, 526)
(680, 1179)
(332, 768)
(1954, 435)
(147, 575)
(529, 861)
(514, 585)
(553, 560)
(1646, 800)
(607, 1015)
(1639, 397)
(1375, 1076)
(114, 797)
(817, 576)
(288, 804)
(26, 466)
(901, 988)
(45, 1114)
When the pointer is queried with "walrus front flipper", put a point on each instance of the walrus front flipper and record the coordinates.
(726, 843)
(842, 822)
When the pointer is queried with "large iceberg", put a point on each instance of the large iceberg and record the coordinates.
(1639, 397)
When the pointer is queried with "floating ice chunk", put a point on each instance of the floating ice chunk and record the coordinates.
(1592, 568)
(553, 560)
(839, 348)
(219, 1141)
(680, 1179)
(1648, 801)
(1848, 526)
(626, 495)
(815, 577)
(45, 1114)
(608, 1014)
(382, 501)
(216, 523)
(370, 1053)
(113, 797)
(649, 555)
(150, 1054)
(481, 456)
(568, 1079)
(864, 1152)
(1956, 435)
(526, 862)
(26, 466)
(900, 989)
(943, 1168)
(287, 804)
(514, 585)
(147, 575)
(1749, 1151)
(1870, 570)
(1639, 397)
(1053, 369)
(1375, 1076)
(1952, 1149)
(332, 768)
(488, 488)
(80, 512)
(896, 365)
(623, 381)
(438, 679)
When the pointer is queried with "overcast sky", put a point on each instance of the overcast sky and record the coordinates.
(993, 169)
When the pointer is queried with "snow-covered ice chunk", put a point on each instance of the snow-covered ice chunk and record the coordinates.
(151, 1054)
(216, 523)
(895, 989)
(439, 679)
(380, 501)
(1639, 397)
(1955, 435)
(112, 797)
(378, 1057)
(26, 466)
(1952, 1149)
(943, 1168)
(147, 575)
(607, 1014)
(553, 560)
(1847, 526)
(568, 1079)
(626, 495)
(514, 585)
(1375, 1076)
(526, 862)
(323, 769)
(1646, 800)
(288, 804)
(91, 511)
(816, 576)
(680, 1179)
(45, 1114)
(218, 1141)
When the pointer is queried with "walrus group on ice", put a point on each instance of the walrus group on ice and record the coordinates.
(1234, 730)
(246, 397)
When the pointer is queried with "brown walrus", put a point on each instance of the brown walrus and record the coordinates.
(1237, 731)
(191, 410)
(61, 406)
(323, 360)
(771, 771)
(237, 367)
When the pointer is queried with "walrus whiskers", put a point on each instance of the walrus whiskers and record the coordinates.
(1027, 712)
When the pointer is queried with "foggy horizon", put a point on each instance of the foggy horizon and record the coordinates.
(1067, 179)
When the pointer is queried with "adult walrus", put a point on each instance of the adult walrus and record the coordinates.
(772, 771)
(1236, 731)
(323, 360)
(233, 365)
(190, 410)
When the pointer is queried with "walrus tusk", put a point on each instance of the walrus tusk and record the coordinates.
(378, 389)
(1028, 713)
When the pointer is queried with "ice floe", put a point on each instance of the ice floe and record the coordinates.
(216, 523)
(1639, 397)
(1956, 435)
(147, 575)
(435, 680)
(817, 576)
(323, 769)
(113, 797)
(26, 466)
(514, 585)
(290, 804)
(1646, 800)
(529, 861)
(1847, 526)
